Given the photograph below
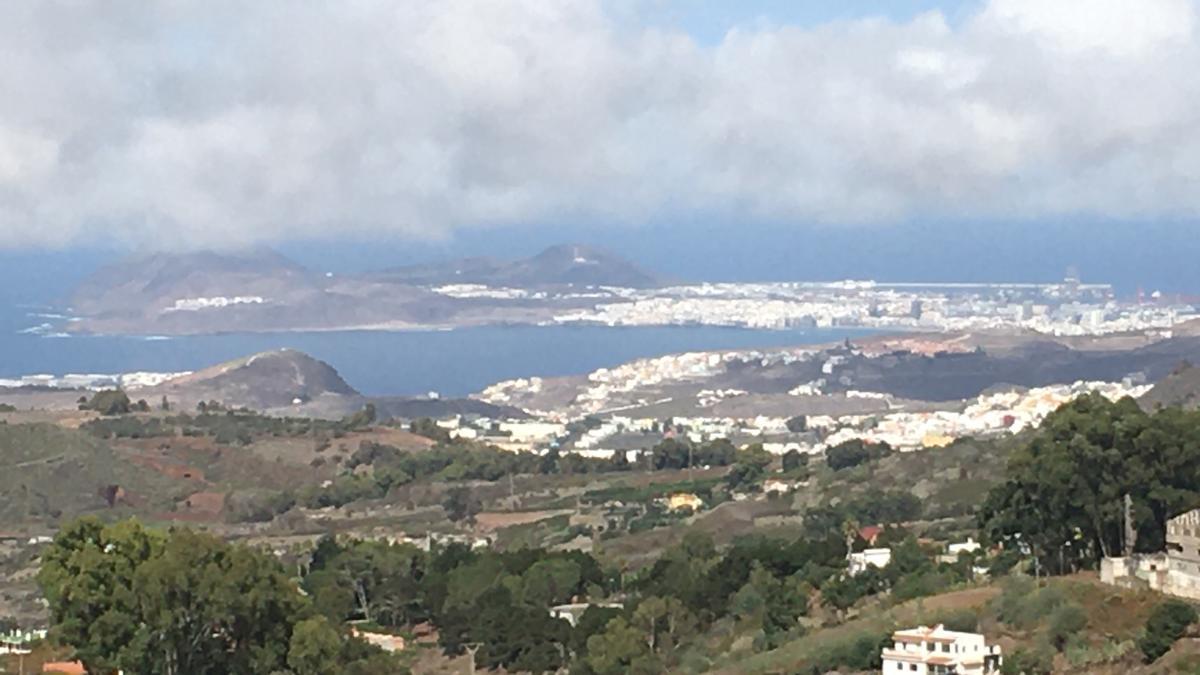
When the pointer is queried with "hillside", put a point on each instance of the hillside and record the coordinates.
(51, 473)
(556, 266)
(1181, 387)
(262, 381)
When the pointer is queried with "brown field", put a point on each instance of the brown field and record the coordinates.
(498, 520)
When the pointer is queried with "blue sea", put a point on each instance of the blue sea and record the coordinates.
(452, 363)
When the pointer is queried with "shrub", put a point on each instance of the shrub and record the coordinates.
(1166, 624)
(1065, 621)
(1036, 661)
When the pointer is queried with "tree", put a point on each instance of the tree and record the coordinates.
(749, 469)
(460, 505)
(208, 607)
(127, 598)
(853, 452)
(664, 623)
(108, 402)
(794, 460)
(87, 578)
(797, 424)
(550, 582)
(164, 405)
(614, 651)
(314, 648)
(1064, 491)
(1166, 624)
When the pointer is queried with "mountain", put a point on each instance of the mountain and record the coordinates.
(265, 381)
(1181, 387)
(565, 264)
(161, 280)
(246, 291)
(259, 290)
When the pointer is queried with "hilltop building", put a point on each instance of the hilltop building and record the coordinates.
(1175, 571)
(937, 651)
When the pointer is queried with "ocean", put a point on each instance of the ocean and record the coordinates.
(452, 363)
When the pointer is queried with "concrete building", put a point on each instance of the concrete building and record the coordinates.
(1175, 571)
(937, 651)
(872, 557)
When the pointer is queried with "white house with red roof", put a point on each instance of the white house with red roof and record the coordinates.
(934, 650)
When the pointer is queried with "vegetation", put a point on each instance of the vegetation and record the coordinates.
(227, 427)
(1166, 624)
(108, 402)
(854, 452)
(1064, 491)
(124, 597)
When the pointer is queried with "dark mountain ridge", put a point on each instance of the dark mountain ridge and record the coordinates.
(261, 290)
(565, 264)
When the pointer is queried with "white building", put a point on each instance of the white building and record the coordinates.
(1175, 571)
(872, 557)
(776, 486)
(937, 651)
(952, 550)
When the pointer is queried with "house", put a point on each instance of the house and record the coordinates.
(682, 500)
(872, 557)
(776, 486)
(386, 642)
(64, 667)
(571, 612)
(1175, 571)
(869, 533)
(936, 651)
(952, 550)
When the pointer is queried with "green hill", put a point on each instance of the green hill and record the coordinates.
(48, 472)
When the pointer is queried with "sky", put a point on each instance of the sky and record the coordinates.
(894, 139)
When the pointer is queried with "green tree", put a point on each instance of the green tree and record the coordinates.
(749, 468)
(794, 460)
(854, 452)
(314, 648)
(87, 578)
(1166, 624)
(617, 649)
(126, 598)
(460, 505)
(1064, 491)
(109, 402)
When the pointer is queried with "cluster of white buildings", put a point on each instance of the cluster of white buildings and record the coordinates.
(1004, 412)
(989, 414)
(1069, 308)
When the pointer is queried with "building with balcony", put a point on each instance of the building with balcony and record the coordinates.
(936, 651)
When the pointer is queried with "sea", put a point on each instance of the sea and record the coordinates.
(412, 363)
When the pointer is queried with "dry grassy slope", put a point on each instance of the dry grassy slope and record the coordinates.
(1113, 615)
(1181, 387)
(48, 472)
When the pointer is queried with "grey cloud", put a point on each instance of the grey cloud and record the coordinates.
(214, 123)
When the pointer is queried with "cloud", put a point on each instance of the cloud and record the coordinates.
(188, 124)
